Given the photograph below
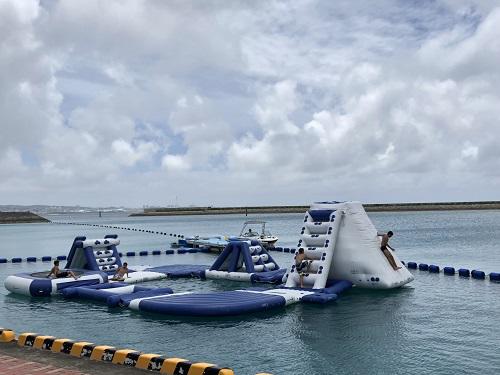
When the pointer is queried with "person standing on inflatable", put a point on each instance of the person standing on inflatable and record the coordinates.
(302, 265)
(384, 245)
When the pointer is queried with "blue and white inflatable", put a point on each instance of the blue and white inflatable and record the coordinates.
(95, 255)
(91, 260)
(341, 243)
(38, 285)
(245, 261)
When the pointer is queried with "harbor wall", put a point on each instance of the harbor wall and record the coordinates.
(369, 207)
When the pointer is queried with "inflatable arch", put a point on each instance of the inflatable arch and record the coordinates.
(246, 261)
(343, 244)
(95, 255)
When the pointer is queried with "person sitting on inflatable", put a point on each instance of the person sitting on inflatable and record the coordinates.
(121, 272)
(60, 274)
(302, 265)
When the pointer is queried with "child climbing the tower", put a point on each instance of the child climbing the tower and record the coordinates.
(302, 265)
(384, 244)
(60, 274)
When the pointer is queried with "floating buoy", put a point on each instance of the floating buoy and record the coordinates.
(3, 260)
(433, 268)
(61, 257)
(494, 276)
(16, 260)
(169, 252)
(31, 259)
(131, 253)
(412, 265)
(423, 267)
(46, 258)
(181, 251)
(449, 270)
(476, 274)
(464, 272)
(156, 252)
(286, 250)
(143, 253)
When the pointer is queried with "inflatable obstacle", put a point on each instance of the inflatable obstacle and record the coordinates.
(115, 294)
(91, 260)
(235, 302)
(245, 261)
(341, 243)
(38, 284)
(95, 255)
(239, 261)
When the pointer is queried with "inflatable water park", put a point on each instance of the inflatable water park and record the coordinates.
(338, 246)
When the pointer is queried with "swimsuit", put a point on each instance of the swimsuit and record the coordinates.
(383, 248)
(300, 267)
(62, 274)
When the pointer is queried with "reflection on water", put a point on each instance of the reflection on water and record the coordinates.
(436, 324)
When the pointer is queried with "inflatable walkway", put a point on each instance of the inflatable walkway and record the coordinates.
(341, 243)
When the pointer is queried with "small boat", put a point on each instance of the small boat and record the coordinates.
(251, 231)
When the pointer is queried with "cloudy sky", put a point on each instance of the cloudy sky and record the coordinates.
(248, 102)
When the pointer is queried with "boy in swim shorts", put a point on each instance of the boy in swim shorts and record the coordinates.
(58, 274)
(121, 272)
(384, 244)
(302, 265)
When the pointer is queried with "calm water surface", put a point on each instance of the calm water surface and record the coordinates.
(436, 324)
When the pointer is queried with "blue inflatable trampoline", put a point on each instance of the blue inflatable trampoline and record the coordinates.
(210, 304)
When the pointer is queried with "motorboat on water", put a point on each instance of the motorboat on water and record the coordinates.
(251, 230)
(256, 230)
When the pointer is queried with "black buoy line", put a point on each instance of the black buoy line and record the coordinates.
(451, 271)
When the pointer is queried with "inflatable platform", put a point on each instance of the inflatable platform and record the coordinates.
(91, 260)
(340, 243)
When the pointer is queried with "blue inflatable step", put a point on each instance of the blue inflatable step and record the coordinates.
(181, 270)
(321, 216)
(210, 304)
(271, 277)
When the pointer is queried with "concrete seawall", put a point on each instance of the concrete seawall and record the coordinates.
(370, 207)
(21, 217)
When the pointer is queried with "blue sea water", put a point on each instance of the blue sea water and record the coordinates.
(437, 324)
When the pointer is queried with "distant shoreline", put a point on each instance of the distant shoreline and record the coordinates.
(21, 217)
(369, 207)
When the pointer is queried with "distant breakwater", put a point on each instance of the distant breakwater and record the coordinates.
(21, 217)
(369, 207)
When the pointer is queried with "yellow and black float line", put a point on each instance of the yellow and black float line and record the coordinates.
(7, 335)
(126, 357)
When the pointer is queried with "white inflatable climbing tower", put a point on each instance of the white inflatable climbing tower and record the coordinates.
(343, 244)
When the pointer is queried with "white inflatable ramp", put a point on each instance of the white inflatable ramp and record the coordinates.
(341, 243)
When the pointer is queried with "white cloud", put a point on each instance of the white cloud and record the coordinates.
(175, 163)
(282, 96)
(128, 155)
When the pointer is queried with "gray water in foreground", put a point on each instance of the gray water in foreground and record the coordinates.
(437, 324)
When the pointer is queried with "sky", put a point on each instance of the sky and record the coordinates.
(236, 103)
